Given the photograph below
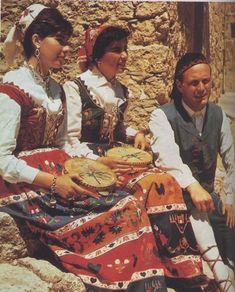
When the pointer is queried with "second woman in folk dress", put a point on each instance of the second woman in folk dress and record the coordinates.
(96, 102)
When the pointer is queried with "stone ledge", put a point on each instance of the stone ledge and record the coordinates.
(20, 268)
(30, 274)
(12, 245)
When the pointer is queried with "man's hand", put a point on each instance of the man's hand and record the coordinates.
(201, 198)
(228, 211)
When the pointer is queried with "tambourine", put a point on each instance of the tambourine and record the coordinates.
(135, 156)
(92, 173)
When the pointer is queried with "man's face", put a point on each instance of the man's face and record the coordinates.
(195, 86)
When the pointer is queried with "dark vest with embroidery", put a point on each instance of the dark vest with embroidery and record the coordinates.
(198, 152)
(93, 118)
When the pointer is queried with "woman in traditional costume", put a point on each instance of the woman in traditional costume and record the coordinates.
(126, 241)
(96, 100)
(96, 103)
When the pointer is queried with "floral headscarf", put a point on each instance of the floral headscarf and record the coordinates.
(18, 31)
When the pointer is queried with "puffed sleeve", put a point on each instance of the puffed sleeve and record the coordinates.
(12, 169)
(74, 122)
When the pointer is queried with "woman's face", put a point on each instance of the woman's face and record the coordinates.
(114, 59)
(53, 51)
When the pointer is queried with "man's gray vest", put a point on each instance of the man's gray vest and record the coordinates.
(198, 152)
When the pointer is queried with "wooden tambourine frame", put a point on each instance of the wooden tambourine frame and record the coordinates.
(92, 174)
(135, 156)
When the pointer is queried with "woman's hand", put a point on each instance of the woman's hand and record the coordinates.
(140, 141)
(67, 186)
(121, 167)
(228, 211)
(118, 165)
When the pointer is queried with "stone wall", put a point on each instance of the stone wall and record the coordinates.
(216, 29)
(160, 33)
(229, 58)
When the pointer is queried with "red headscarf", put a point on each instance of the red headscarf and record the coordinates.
(85, 52)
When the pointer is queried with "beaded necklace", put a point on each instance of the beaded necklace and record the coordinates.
(44, 81)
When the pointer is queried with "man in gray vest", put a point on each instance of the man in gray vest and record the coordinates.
(201, 132)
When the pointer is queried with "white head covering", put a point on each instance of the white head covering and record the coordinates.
(27, 17)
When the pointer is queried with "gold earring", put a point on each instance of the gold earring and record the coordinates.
(37, 53)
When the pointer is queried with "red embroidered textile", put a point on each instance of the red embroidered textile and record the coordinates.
(128, 240)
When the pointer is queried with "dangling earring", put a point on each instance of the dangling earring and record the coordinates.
(98, 64)
(37, 53)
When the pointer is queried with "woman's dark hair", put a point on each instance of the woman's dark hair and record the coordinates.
(105, 38)
(48, 22)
